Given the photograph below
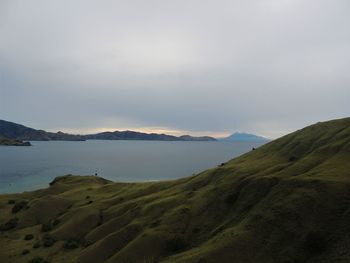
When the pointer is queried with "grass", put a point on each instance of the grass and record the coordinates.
(287, 201)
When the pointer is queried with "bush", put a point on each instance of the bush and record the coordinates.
(48, 240)
(196, 230)
(12, 223)
(315, 243)
(71, 243)
(46, 227)
(11, 202)
(55, 222)
(28, 237)
(25, 252)
(19, 206)
(155, 223)
(54, 181)
(176, 244)
(38, 260)
(292, 159)
(37, 244)
(231, 198)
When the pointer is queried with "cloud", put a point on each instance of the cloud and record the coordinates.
(267, 67)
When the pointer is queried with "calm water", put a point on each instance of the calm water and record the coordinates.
(28, 168)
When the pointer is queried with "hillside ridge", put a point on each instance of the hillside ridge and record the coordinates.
(287, 201)
(16, 131)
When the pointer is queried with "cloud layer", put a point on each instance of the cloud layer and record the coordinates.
(211, 67)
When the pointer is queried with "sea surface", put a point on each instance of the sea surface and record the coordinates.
(29, 168)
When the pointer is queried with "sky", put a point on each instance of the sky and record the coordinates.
(196, 67)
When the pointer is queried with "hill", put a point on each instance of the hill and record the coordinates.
(16, 131)
(287, 201)
(244, 137)
(133, 135)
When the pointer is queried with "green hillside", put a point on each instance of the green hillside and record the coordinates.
(285, 202)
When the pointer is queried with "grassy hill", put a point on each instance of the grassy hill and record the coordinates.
(14, 131)
(285, 202)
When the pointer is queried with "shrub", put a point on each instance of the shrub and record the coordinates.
(100, 221)
(19, 206)
(46, 227)
(231, 198)
(176, 244)
(54, 181)
(71, 243)
(155, 223)
(11, 202)
(55, 222)
(25, 252)
(315, 243)
(48, 240)
(36, 244)
(292, 159)
(196, 230)
(28, 237)
(12, 223)
(38, 260)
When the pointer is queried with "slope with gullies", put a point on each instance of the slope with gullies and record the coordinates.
(287, 201)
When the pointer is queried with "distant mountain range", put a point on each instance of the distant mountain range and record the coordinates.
(10, 130)
(13, 131)
(244, 137)
(16, 131)
(132, 135)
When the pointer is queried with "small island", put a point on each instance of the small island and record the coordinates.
(11, 142)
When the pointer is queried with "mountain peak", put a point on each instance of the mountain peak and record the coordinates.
(242, 136)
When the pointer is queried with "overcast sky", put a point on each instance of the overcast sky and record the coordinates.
(183, 66)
